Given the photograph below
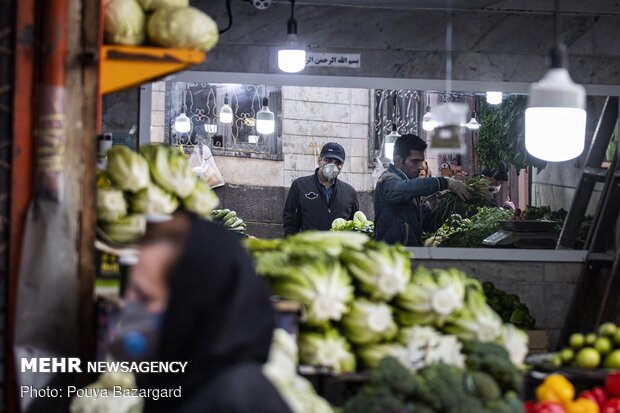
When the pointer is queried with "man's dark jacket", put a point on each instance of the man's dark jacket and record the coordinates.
(306, 207)
(399, 214)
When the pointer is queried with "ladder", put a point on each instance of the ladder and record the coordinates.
(597, 294)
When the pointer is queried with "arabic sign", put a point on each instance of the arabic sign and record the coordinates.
(351, 61)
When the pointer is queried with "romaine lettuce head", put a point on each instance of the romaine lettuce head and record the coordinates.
(372, 354)
(126, 230)
(328, 349)
(111, 205)
(128, 170)
(202, 200)
(369, 322)
(154, 200)
(185, 27)
(169, 169)
(124, 22)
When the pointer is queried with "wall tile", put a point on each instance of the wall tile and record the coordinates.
(358, 164)
(360, 131)
(360, 97)
(359, 148)
(360, 114)
(157, 134)
(157, 118)
(158, 101)
(317, 94)
(158, 86)
(303, 110)
(247, 171)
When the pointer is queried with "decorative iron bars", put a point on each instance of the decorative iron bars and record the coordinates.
(399, 106)
(201, 102)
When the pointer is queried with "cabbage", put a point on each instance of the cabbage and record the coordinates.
(170, 169)
(111, 204)
(329, 350)
(126, 230)
(372, 354)
(127, 169)
(124, 22)
(382, 270)
(150, 5)
(153, 200)
(368, 322)
(202, 200)
(322, 244)
(183, 28)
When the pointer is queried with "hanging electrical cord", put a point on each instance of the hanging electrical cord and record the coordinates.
(230, 17)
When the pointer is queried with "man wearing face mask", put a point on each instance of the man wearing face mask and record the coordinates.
(400, 216)
(495, 181)
(315, 201)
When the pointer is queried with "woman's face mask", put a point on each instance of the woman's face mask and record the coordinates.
(495, 189)
(330, 171)
(137, 333)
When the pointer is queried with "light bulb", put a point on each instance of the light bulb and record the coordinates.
(389, 150)
(390, 139)
(473, 123)
(265, 120)
(291, 56)
(210, 127)
(428, 123)
(555, 118)
(182, 123)
(494, 98)
(226, 113)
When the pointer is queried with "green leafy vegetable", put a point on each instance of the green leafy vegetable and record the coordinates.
(127, 169)
(185, 27)
(170, 169)
(123, 22)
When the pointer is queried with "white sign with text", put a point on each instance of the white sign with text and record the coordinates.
(350, 60)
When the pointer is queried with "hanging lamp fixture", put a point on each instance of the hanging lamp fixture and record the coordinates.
(292, 56)
(182, 123)
(473, 124)
(494, 98)
(265, 119)
(226, 113)
(555, 118)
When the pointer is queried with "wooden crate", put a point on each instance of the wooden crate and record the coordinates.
(539, 341)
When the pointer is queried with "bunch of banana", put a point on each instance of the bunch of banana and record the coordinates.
(229, 219)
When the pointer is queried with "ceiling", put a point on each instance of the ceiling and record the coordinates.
(581, 7)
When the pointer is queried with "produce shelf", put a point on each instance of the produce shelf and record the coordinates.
(123, 67)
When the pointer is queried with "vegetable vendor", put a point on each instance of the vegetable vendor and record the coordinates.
(495, 180)
(400, 216)
(315, 201)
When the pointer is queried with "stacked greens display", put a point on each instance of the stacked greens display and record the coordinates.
(449, 203)
(152, 184)
(362, 303)
(509, 307)
(359, 223)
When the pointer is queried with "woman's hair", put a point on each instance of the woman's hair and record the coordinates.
(175, 232)
(406, 143)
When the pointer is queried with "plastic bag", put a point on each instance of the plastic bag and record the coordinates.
(376, 173)
(203, 164)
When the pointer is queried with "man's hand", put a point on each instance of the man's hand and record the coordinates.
(460, 189)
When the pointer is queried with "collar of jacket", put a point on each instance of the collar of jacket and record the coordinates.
(392, 168)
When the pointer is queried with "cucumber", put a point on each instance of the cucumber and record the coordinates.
(238, 222)
(230, 221)
(229, 215)
(222, 213)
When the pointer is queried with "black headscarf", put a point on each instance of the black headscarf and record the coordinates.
(218, 315)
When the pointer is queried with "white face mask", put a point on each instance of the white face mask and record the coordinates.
(495, 189)
(330, 171)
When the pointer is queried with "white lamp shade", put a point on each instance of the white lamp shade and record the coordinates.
(182, 123)
(291, 60)
(226, 114)
(473, 124)
(391, 138)
(265, 121)
(210, 127)
(428, 123)
(494, 98)
(555, 120)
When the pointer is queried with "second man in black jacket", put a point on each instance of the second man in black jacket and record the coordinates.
(315, 201)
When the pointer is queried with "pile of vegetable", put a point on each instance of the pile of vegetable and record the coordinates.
(362, 303)
(592, 350)
(359, 223)
(281, 369)
(152, 184)
(448, 203)
(509, 307)
(228, 219)
(168, 23)
(468, 232)
(435, 388)
(556, 394)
